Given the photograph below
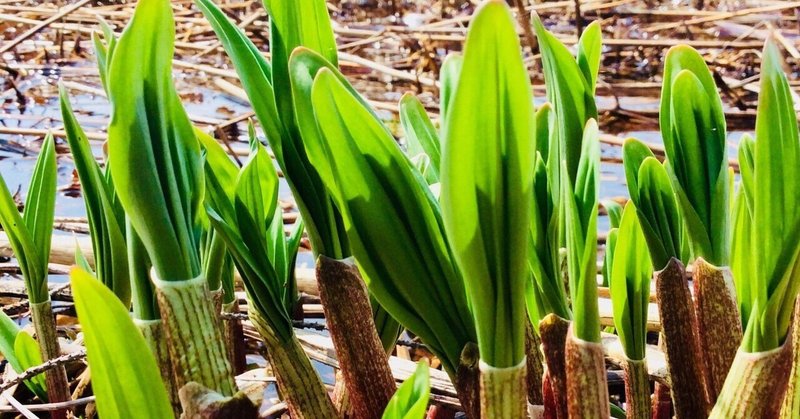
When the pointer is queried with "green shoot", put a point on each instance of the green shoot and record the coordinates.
(693, 129)
(411, 399)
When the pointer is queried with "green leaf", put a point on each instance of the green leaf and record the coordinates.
(243, 213)
(630, 285)
(614, 211)
(421, 135)
(154, 155)
(19, 359)
(776, 212)
(693, 129)
(381, 195)
(652, 193)
(570, 88)
(293, 24)
(448, 80)
(486, 181)
(27, 351)
(106, 223)
(580, 210)
(590, 49)
(125, 377)
(30, 235)
(411, 399)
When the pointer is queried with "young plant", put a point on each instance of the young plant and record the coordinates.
(21, 352)
(125, 377)
(570, 82)
(486, 198)
(758, 376)
(411, 399)
(289, 125)
(106, 216)
(631, 271)
(154, 159)
(364, 160)
(587, 391)
(693, 129)
(30, 237)
(245, 214)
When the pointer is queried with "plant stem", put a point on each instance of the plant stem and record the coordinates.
(362, 358)
(791, 401)
(56, 377)
(681, 343)
(553, 331)
(153, 332)
(755, 385)
(587, 389)
(298, 381)
(637, 389)
(467, 381)
(234, 338)
(193, 335)
(535, 359)
(503, 391)
(662, 400)
(715, 305)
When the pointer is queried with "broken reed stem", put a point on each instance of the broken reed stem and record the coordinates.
(719, 326)
(637, 389)
(553, 331)
(56, 377)
(681, 343)
(202, 403)
(587, 388)
(755, 385)
(467, 381)
(298, 382)
(535, 359)
(193, 334)
(234, 338)
(503, 391)
(362, 358)
(155, 337)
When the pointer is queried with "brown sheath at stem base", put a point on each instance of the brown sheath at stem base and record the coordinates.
(681, 343)
(637, 389)
(362, 359)
(234, 339)
(662, 399)
(715, 305)
(790, 408)
(298, 381)
(587, 389)
(553, 331)
(755, 385)
(55, 378)
(154, 336)
(533, 354)
(467, 381)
